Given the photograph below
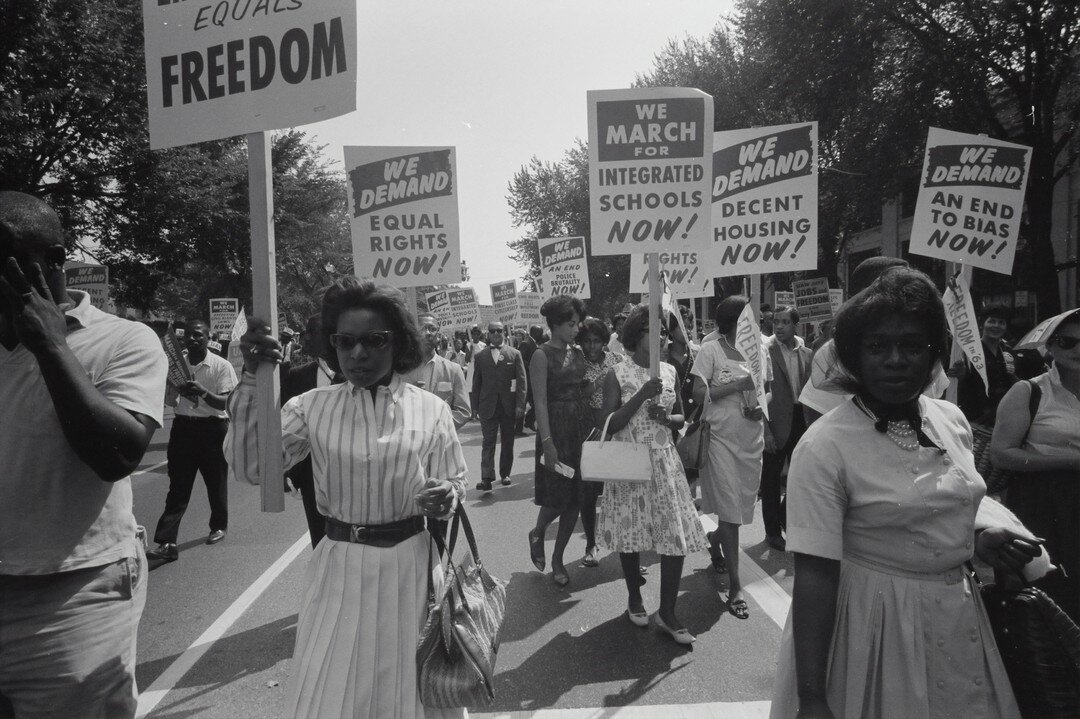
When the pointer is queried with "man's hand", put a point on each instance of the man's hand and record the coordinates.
(191, 388)
(39, 323)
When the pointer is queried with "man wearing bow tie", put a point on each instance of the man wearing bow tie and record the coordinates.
(498, 397)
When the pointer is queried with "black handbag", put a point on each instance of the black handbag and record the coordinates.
(1040, 647)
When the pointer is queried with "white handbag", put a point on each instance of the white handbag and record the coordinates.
(604, 461)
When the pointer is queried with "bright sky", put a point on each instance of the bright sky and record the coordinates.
(501, 80)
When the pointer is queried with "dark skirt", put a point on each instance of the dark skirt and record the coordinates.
(569, 423)
(1048, 503)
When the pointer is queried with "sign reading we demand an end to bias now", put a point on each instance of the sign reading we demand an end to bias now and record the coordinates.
(970, 200)
(218, 68)
(765, 200)
(649, 155)
(564, 266)
(403, 208)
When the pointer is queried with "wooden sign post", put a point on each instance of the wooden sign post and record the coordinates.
(656, 289)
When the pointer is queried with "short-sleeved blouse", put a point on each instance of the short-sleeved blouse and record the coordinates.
(1056, 425)
(595, 371)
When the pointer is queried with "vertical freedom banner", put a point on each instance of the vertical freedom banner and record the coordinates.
(91, 279)
(504, 300)
(764, 200)
(749, 344)
(564, 266)
(218, 69)
(685, 278)
(970, 199)
(964, 326)
(649, 155)
(223, 311)
(403, 210)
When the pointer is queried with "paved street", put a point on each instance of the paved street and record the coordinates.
(218, 629)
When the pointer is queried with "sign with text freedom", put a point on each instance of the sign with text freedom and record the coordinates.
(220, 68)
(650, 151)
(403, 214)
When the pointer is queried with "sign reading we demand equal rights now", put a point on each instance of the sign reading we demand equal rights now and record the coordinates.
(970, 200)
(564, 266)
(219, 68)
(404, 214)
(649, 155)
(765, 200)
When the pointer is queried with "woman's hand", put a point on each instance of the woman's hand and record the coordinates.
(651, 389)
(814, 708)
(745, 383)
(754, 414)
(436, 498)
(258, 346)
(551, 455)
(659, 414)
(1005, 550)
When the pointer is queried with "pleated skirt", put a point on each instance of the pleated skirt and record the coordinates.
(360, 620)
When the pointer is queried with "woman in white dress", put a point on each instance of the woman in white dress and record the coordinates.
(882, 496)
(385, 455)
(730, 480)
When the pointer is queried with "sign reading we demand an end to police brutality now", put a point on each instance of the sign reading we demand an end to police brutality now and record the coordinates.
(650, 151)
(564, 266)
(218, 68)
(403, 208)
(765, 200)
(970, 199)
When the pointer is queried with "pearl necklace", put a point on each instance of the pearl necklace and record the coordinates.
(901, 433)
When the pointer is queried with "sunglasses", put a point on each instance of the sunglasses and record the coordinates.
(495, 332)
(370, 341)
(1065, 343)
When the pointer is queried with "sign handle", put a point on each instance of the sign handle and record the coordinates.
(952, 270)
(655, 291)
(264, 286)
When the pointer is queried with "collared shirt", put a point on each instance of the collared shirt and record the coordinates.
(791, 362)
(56, 513)
(217, 376)
(614, 345)
(446, 380)
(496, 354)
(370, 456)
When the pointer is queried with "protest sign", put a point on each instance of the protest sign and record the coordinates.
(463, 308)
(404, 214)
(487, 315)
(750, 345)
(812, 299)
(179, 369)
(685, 278)
(91, 279)
(438, 303)
(223, 311)
(238, 329)
(970, 199)
(504, 299)
(529, 308)
(564, 266)
(230, 67)
(964, 326)
(783, 298)
(836, 298)
(765, 200)
(649, 155)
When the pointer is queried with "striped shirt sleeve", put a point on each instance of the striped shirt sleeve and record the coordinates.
(241, 445)
(446, 460)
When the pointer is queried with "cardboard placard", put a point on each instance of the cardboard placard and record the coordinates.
(836, 298)
(529, 304)
(686, 278)
(812, 299)
(504, 300)
(970, 200)
(219, 69)
(649, 156)
(487, 315)
(223, 312)
(179, 369)
(783, 298)
(564, 266)
(403, 213)
(765, 200)
(91, 279)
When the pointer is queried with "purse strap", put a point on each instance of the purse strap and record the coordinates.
(447, 547)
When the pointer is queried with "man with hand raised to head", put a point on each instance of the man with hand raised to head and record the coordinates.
(83, 392)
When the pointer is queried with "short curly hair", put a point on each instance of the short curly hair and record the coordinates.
(902, 291)
(595, 327)
(350, 293)
(728, 311)
(635, 328)
(561, 308)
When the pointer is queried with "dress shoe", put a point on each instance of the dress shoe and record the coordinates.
(484, 486)
(638, 619)
(164, 552)
(778, 543)
(216, 536)
(505, 481)
(681, 636)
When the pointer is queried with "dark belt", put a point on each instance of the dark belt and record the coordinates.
(375, 535)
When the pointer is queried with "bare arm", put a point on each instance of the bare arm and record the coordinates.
(1013, 421)
(522, 384)
(621, 413)
(813, 612)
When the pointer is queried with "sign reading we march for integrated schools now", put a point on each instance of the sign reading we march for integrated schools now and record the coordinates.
(970, 200)
(230, 67)
(455, 307)
(223, 311)
(649, 155)
(564, 266)
(504, 300)
(404, 214)
(765, 200)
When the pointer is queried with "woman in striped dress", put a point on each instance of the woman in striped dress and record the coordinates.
(385, 455)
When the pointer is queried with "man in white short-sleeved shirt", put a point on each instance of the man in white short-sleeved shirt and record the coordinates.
(82, 393)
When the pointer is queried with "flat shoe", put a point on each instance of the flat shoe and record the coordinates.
(681, 636)
(738, 608)
(589, 560)
(638, 619)
(560, 578)
(536, 551)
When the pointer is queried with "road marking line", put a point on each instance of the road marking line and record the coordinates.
(161, 686)
(711, 710)
(151, 468)
(769, 595)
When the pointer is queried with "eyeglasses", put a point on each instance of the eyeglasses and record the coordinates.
(1065, 342)
(907, 348)
(496, 331)
(429, 329)
(370, 341)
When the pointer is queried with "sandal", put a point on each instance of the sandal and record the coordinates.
(589, 559)
(536, 551)
(717, 558)
(560, 577)
(738, 608)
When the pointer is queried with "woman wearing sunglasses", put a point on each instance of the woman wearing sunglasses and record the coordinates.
(385, 456)
(1044, 451)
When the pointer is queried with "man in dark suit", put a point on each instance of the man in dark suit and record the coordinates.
(498, 398)
(527, 346)
(791, 362)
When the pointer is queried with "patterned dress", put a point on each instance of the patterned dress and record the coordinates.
(568, 421)
(593, 372)
(657, 515)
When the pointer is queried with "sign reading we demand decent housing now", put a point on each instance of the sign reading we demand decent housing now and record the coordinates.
(970, 200)
(218, 68)
(404, 214)
(649, 155)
